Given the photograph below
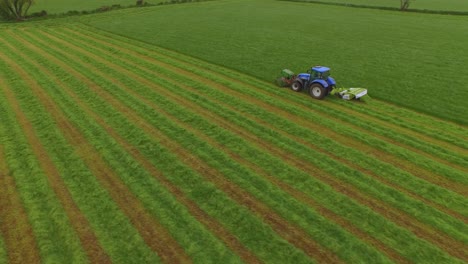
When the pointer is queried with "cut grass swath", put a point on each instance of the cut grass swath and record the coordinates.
(168, 126)
(163, 199)
(364, 63)
(19, 242)
(309, 245)
(325, 109)
(356, 121)
(354, 154)
(349, 130)
(234, 218)
(243, 77)
(229, 239)
(143, 47)
(56, 238)
(404, 118)
(99, 208)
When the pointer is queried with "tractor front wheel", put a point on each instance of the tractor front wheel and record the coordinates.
(317, 91)
(296, 86)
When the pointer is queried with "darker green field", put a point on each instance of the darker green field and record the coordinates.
(436, 5)
(413, 60)
(63, 6)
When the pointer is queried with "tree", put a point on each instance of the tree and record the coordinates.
(404, 4)
(15, 9)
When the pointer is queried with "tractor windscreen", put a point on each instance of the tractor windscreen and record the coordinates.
(325, 75)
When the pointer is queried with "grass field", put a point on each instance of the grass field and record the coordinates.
(156, 135)
(116, 150)
(63, 6)
(446, 5)
(414, 60)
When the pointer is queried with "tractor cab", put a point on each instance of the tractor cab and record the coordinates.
(317, 72)
(317, 80)
(320, 72)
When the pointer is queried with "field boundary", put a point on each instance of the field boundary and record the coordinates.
(386, 8)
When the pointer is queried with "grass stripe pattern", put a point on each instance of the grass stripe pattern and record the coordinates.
(134, 153)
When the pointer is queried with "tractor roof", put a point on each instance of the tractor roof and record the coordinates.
(320, 69)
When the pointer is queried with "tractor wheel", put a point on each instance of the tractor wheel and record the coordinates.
(296, 86)
(317, 91)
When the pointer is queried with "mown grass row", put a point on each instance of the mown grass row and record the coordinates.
(239, 76)
(232, 215)
(14, 220)
(387, 146)
(233, 101)
(200, 126)
(56, 239)
(340, 116)
(81, 182)
(274, 89)
(155, 198)
(219, 166)
(416, 142)
(99, 208)
(349, 119)
(237, 103)
(420, 123)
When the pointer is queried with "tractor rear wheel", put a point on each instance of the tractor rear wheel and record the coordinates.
(317, 91)
(296, 86)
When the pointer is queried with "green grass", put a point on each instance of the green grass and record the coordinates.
(63, 6)
(56, 238)
(244, 149)
(355, 156)
(177, 173)
(273, 168)
(221, 162)
(438, 5)
(102, 213)
(186, 229)
(413, 60)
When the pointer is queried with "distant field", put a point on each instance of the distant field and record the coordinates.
(414, 60)
(62, 6)
(449, 5)
(113, 150)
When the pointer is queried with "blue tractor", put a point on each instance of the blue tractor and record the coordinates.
(318, 83)
(317, 80)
